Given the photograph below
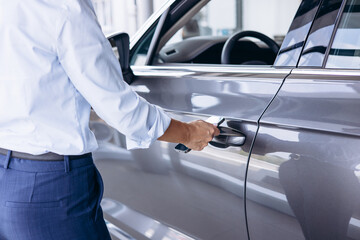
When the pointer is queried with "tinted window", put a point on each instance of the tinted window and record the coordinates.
(295, 38)
(140, 52)
(345, 50)
(320, 34)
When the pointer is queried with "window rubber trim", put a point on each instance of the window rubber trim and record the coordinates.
(337, 23)
(154, 41)
(308, 34)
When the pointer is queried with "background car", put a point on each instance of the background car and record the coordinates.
(298, 106)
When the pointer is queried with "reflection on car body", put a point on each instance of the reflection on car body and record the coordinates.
(320, 34)
(297, 174)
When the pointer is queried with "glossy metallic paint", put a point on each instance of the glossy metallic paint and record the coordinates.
(306, 154)
(199, 194)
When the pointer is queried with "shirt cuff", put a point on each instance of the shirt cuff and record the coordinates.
(159, 127)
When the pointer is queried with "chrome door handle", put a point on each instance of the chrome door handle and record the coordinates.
(228, 137)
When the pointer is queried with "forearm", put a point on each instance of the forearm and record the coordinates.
(177, 132)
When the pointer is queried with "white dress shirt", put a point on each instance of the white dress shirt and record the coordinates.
(54, 63)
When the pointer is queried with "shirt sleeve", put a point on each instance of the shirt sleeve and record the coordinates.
(92, 67)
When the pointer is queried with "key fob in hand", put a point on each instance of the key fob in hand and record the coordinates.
(182, 148)
(214, 120)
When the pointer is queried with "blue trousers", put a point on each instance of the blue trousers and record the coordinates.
(46, 200)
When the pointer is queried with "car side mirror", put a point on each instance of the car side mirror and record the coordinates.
(122, 42)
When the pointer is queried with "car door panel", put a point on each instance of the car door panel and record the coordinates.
(158, 193)
(199, 194)
(210, 90)
(305, 160)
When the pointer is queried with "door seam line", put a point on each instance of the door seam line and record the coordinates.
(251, 148)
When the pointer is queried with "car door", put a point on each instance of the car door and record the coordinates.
(303, 176)
(159, 193)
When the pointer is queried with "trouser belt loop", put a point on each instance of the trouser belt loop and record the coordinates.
(67, 163)
(7, 159)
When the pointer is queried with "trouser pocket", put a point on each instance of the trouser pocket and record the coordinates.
(32, 190)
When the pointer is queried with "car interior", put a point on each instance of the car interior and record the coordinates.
(200, 44)
(235, 32)
(208, 50)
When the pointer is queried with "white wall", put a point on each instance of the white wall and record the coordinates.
(128, 17)
(124, 15)
(227, 17)
(271, 25)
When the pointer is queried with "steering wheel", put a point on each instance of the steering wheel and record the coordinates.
(230, 43)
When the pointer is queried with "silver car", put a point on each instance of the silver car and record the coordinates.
(295, 172)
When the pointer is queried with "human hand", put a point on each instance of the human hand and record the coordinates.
(199, 134)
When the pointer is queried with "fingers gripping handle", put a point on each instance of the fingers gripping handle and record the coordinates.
(214, 120)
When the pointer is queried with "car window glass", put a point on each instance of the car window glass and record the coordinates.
(201, 38)
(345, 49)
(320, 34)
(138, 58)
(295, 38)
